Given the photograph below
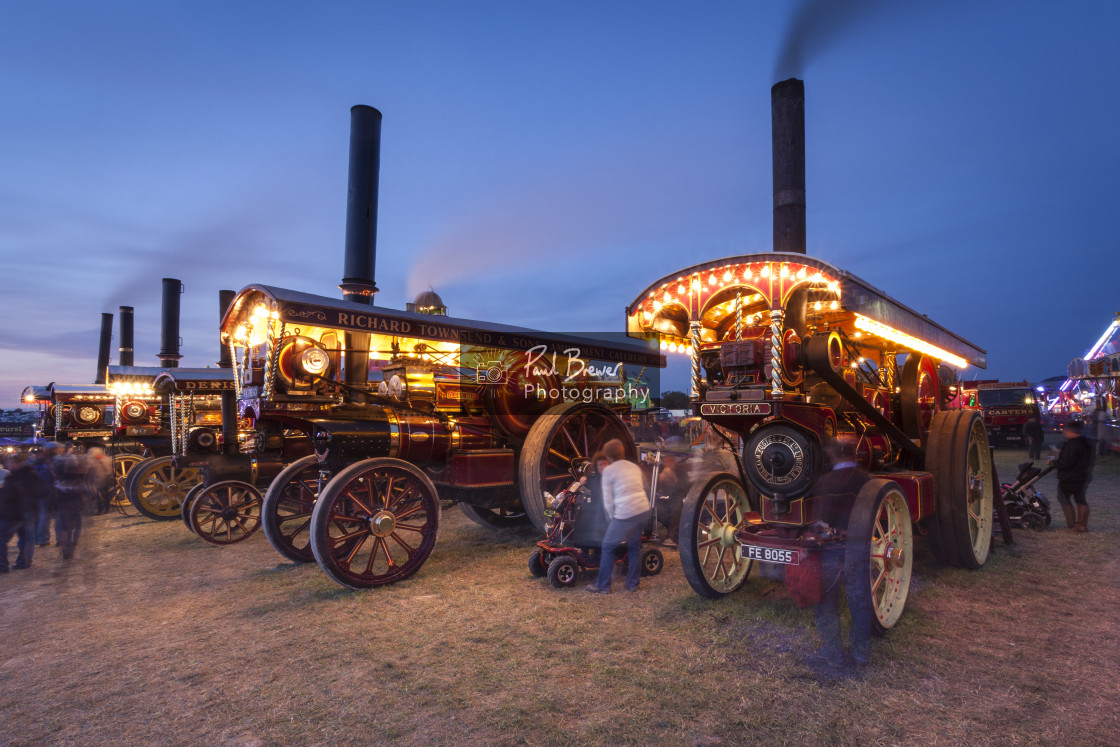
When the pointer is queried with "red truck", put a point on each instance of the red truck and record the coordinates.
(1005, 406)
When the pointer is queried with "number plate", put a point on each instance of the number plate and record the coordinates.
(771, 555)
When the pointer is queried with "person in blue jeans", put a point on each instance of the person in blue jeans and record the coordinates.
(627, 508)
(45, 471)
(836, 492)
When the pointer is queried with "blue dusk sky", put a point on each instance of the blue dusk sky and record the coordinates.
(543, 162)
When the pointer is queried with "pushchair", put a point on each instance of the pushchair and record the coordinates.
(1026, 506)
(575, 531)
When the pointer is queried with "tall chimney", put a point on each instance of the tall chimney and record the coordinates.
(787, 106)
(361, 205)
(361, 236)
(229, 397)
(125, 358)
(169, 324)
(103, 346)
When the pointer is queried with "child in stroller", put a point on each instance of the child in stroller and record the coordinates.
(575, 533)
(1026, 506)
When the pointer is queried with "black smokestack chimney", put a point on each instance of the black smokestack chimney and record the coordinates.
(229, 397)
(105, 342)
(361, 205)
(125, 357)
(787, 106)
(361, 235)
(169, 324)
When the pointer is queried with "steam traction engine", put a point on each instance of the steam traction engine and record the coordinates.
(788, 352)
(487, 416)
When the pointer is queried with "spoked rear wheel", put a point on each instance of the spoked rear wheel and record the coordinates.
(495, 517)
(226, 512)
(375, 523)
(156, 487)
(711, 556)
(564, 438)
(959, 458)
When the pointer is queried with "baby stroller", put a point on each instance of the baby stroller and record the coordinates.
(575, 531)
(1026, 506)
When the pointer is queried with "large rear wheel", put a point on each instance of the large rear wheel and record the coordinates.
(286, 512)
(495, 517)
(960, 461)
(156, 487)
(711, 556)
(375, 523)
(879, 552)
(563, 439)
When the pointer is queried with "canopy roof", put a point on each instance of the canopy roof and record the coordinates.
(710, 293)
(308, 310)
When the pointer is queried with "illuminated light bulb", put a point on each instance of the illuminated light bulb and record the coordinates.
(657, 306)
(712, 279)
(680, 289)
(648, 316)
(727, 276)
(667, 298)
(858, 335)
(801, 274)
(785, 271)
(894, 335)
(834, 305)
(664, 345)
(765, 272)
(817, 306)
(834, 287)
(695, 285)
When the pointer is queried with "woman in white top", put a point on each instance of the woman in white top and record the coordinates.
(627, 507)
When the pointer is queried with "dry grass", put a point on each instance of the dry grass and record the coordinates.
(154, 637)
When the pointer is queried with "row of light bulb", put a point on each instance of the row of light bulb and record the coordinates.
(131, 387)
(676, 347)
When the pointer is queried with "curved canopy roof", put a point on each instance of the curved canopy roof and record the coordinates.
(712, 292)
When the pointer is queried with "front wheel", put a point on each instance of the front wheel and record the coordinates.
(287, 507)
(226, 512)
(563, 572)
(879, 553)
(711, 556)
(375, 523)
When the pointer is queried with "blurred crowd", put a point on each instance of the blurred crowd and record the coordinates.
(52, 487)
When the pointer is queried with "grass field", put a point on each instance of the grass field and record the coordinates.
(151, 636)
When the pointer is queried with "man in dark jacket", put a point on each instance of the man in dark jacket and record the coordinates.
(1074, 465)
(19, 509)
(837, 490)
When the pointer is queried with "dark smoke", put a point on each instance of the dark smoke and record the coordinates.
(815, 25)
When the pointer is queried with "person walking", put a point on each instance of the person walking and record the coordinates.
(99, 471)
(628, 509)
(70, 489)
(1100, 418)
(836, 492)
(24, 489)
(44, 468)
(1074, 465)
(1032, 432)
